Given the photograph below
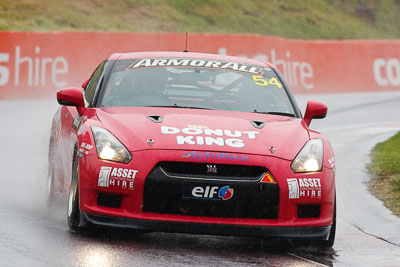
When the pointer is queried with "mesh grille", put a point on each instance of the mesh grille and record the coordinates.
(213, 171)
(201, 197)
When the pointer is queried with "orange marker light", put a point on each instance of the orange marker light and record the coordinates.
(268, 179)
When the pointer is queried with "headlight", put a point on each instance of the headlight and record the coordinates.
(309, 158)
(109, 147)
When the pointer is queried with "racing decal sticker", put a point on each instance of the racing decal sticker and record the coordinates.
(207, 136)
(197, 63)
(116, 177)
(225, 193)
(212, 192)
(204, 156)
(85, 148)
(261, 81)
(304, 187)
(268, 178)
(76, 122)
(332, 162)
(293, 186)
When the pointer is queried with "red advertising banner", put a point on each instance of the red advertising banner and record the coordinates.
(37, 64)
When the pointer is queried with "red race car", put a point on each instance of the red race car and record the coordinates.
(193, 143)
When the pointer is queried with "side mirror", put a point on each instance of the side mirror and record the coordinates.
(315, 110)
(71, 97)
(85, 83)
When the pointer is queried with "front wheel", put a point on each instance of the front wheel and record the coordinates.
(331, 240)
(50, 175)
(73, 198)
(317, 243)
(50, 187)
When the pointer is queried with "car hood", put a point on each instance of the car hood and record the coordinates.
(140, 128)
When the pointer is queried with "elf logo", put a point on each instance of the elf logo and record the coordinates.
(213, 192)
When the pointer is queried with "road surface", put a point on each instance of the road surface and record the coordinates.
(33, 235)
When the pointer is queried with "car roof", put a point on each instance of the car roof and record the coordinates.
(166, 54)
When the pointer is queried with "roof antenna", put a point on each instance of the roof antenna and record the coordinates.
(186, 41)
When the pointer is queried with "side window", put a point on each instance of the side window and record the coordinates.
(92, 84)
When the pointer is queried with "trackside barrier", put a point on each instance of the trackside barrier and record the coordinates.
(37, 64)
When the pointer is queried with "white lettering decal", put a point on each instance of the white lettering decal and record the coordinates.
(214, 64)
(198, 191)
(230, 134)
(207, 192)
(104, 177)
(217, 141)
(197, 63)
(192, 131)
(293, 188)
(84, 148)
(304, 187)
(159, 62)
(169, 130)
(213, 136)
(181, 140)
(251, 134)
(216, 132)
(200, 140)
(234, 142)
(235, 66)
(177, 62)
(119, 177)
(230, 65)
(143, 63)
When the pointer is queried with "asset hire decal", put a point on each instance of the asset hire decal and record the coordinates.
(116, 177)
(304, 187)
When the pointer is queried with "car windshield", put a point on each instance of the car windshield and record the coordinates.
(195, 83)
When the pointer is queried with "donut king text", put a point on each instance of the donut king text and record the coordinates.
(207, 136)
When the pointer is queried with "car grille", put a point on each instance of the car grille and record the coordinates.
(169, 188)
(204, 171)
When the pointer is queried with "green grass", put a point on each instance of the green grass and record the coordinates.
(306, 19)
(386, 157)
(385, 167)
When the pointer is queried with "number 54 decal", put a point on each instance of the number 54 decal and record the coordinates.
(261, 81)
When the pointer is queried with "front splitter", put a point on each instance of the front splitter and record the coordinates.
(316, 232)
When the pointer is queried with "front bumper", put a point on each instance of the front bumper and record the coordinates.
(321, 232)
(279, 216)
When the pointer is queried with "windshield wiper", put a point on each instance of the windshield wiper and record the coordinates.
(275, 113)
(177, 106)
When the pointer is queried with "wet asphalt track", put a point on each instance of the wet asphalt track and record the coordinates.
(32, 235)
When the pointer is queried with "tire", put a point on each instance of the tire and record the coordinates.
(73, 212)
(318, 244)
(331, 240)
(50, 175)
(50, 187)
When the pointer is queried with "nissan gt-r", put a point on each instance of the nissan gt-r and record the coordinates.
(192, 143)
